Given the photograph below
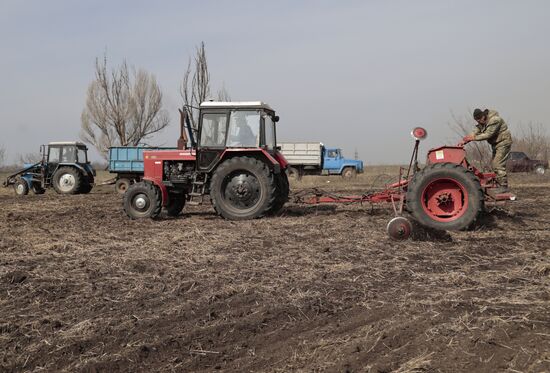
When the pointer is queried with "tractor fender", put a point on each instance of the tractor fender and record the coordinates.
(162, 187)
(275, 165)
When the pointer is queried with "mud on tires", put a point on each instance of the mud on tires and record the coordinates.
(67, 180)
(21, 187)
(445, 196)
(242, 188)
(142, 200)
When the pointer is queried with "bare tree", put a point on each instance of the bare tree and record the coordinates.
(2, 155)
(123, 107)
(195, 86)
(29, 158)
(532, 139)
(478, 152)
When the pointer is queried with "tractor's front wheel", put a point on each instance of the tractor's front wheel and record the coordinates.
(242, 188)
(540, 170)
(142, 200)
(445, 196)
(67, 180)
(21, 187)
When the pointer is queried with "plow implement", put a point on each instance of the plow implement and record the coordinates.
(447, 194)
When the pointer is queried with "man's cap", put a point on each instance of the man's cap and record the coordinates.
(478, 113)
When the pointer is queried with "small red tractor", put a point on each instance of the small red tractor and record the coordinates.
(447, 194)
(234, 159)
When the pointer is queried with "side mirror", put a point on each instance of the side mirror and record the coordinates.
(275, 118)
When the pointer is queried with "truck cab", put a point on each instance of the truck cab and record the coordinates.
(334, 163)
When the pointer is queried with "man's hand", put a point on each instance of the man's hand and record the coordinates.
(467, 139)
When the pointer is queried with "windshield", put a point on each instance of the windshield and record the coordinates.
(244, 129)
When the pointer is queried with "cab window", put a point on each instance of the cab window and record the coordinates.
(214, 128)
(244, 129)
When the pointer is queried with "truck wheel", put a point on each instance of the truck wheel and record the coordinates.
(445, 196)
(142, 200)
(283, 189)
(349, 173)
(122, 185)
(67, 180)
(176, 204)
(540, 170)
(37, 189)
(21, 187)
(242, 188)
(294, 173)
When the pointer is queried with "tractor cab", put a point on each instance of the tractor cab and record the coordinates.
(66, 152)
(227, 126)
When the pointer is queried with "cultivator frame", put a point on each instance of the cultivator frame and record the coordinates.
(442, 202)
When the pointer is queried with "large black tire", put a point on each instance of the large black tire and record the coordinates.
(122, 185)
(142, 200)
(21, 187)
(37, 189)
(85, 188)
(175, 205)
(242, 188)
(294, 173)
(282, 191)
(349, 173)
(67, 180)
(445, 196)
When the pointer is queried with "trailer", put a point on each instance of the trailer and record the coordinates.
(314, 158)
(127, 163)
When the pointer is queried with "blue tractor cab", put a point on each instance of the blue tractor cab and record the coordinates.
(64, 166)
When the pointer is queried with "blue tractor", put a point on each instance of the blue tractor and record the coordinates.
(64, 166)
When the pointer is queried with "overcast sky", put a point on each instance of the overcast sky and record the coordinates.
(354, 74)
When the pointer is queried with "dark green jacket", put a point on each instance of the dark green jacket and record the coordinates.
(495, 131)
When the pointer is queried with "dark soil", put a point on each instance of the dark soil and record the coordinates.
(317, 289)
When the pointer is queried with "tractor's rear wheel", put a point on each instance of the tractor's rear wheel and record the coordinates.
(242, 188)
(37, 189)
(85, 188)
(122, 185)
(175, 205)
(67, 180)
(445, 196)
(142, 200)
(21, 187)
(283, 189)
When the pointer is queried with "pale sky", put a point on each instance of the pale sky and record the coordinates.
(353, 74)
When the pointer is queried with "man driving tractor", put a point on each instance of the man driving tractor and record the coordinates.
(491, 127)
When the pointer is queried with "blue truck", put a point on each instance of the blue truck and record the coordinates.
(127, 163)
(313, 158)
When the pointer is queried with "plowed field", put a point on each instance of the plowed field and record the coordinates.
(316, 289)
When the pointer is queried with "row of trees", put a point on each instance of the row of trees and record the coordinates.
(124, 105)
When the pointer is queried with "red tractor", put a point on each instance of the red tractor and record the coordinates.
(234, 160)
